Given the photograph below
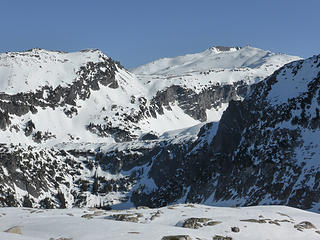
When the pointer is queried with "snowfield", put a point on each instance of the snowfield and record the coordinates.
(263, 223)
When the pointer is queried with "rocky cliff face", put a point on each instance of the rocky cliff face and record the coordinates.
(100, 137)
(274, 151)
(265, 150)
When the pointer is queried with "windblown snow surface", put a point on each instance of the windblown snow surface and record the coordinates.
(263, 223)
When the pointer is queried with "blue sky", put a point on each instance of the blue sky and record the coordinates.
(138, 31)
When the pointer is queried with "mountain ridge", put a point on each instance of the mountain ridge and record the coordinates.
(73, 80)
(114, 139)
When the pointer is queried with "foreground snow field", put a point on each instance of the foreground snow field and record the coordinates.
(262, 222)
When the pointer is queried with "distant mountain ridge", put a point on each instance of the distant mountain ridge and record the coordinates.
(214, 58)
(96, 98)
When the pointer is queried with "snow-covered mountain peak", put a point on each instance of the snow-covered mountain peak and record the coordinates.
(215, 58)
(32, 69)
(88, 53)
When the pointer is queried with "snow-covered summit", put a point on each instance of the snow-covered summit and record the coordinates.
(215, 58)
(218, 49)
(35, 68)
(214, 66)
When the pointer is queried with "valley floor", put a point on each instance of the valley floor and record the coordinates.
(261, 222)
